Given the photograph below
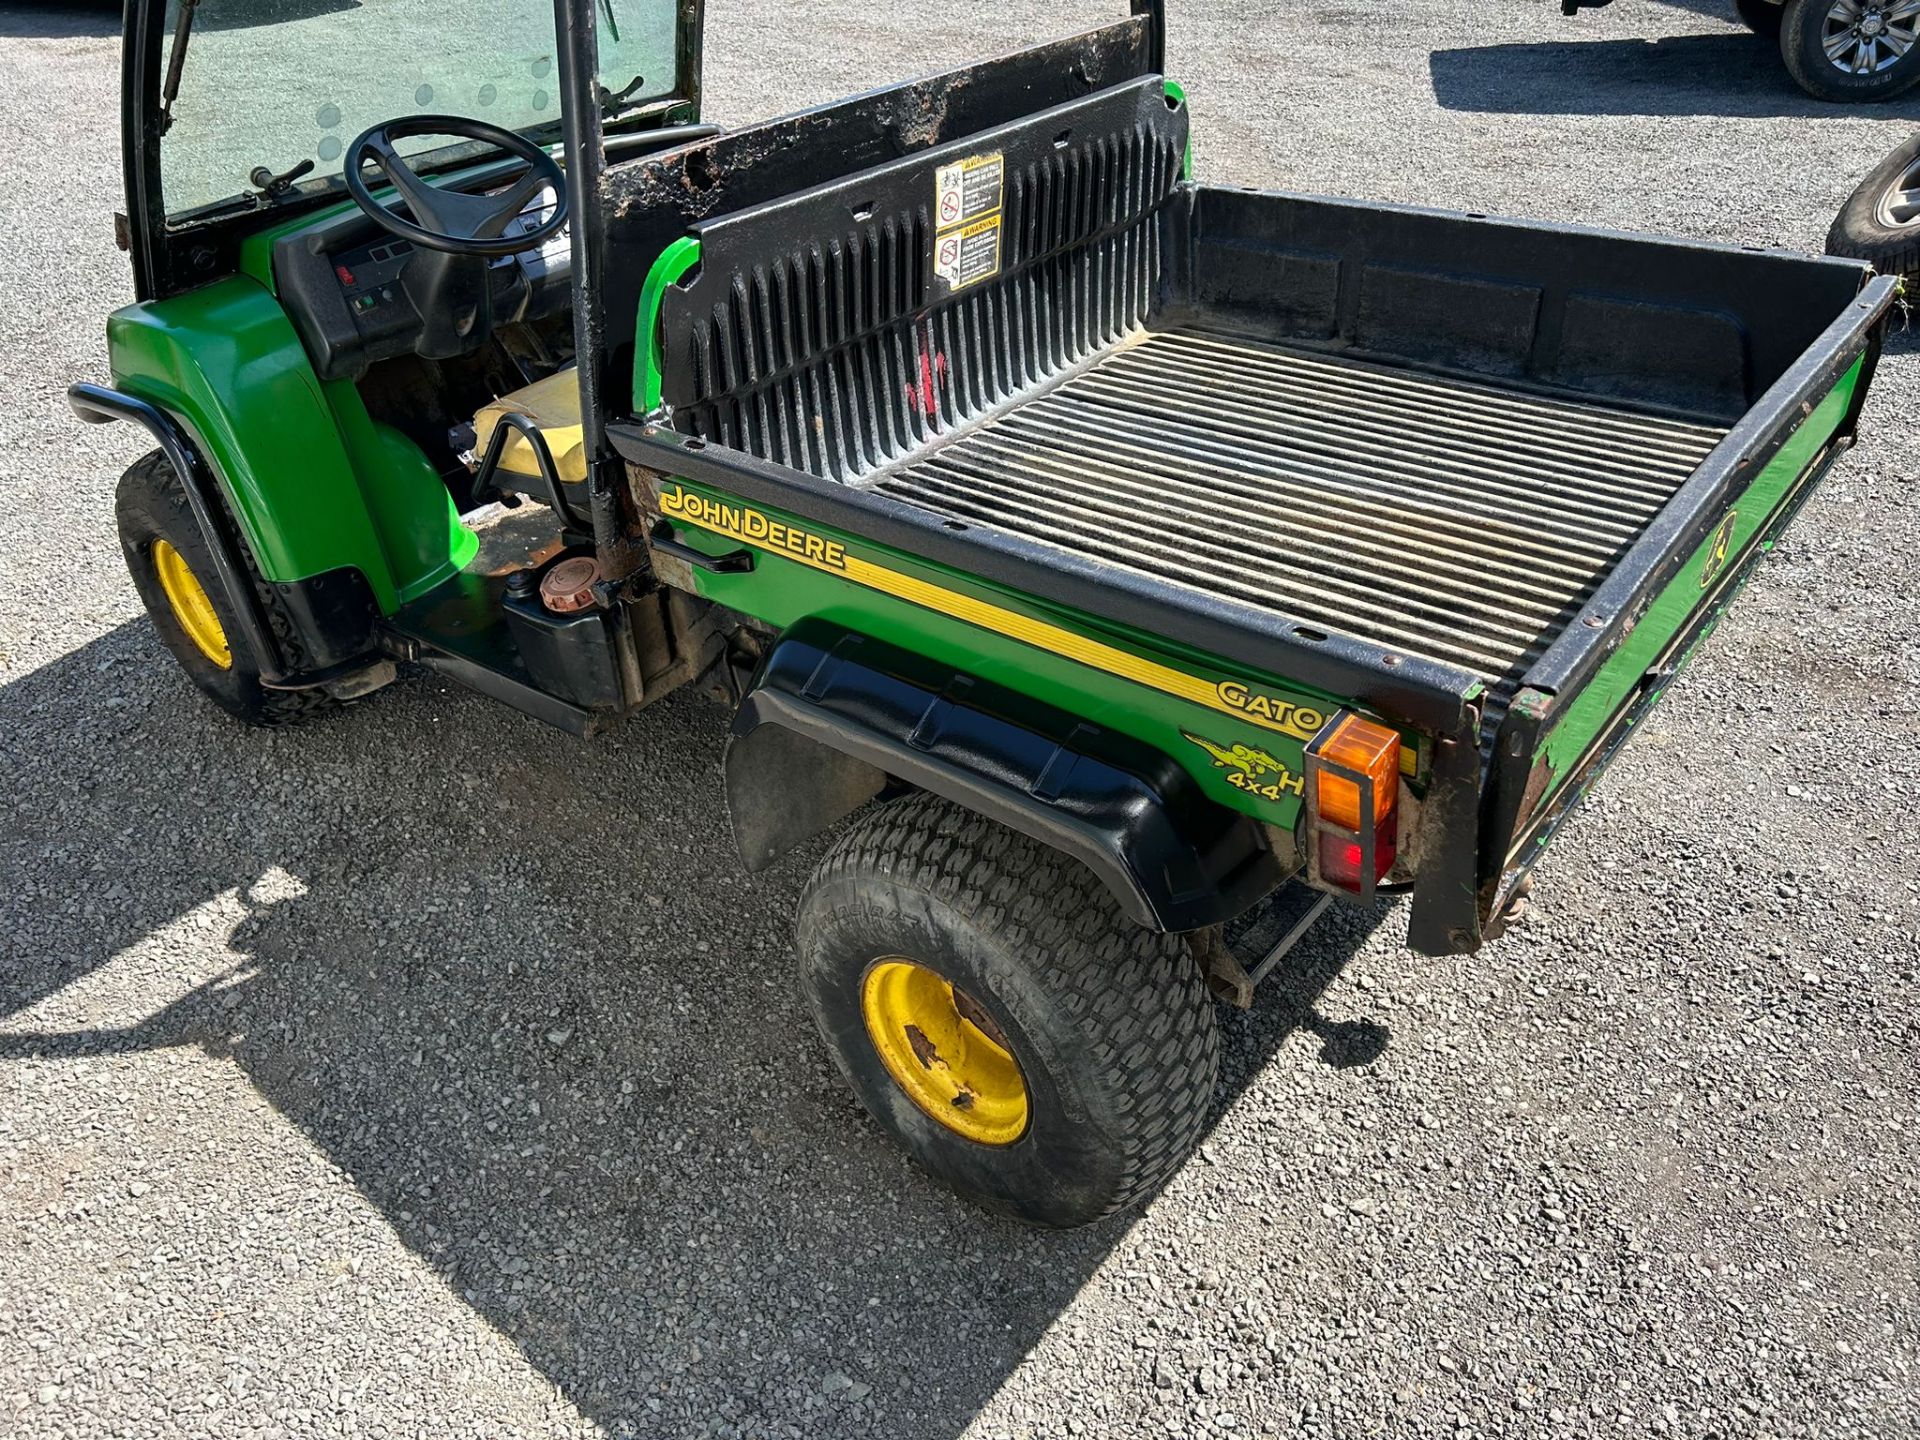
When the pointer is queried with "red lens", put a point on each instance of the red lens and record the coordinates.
(1340, 857)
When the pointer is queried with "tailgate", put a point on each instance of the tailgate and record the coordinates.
(1582, 699)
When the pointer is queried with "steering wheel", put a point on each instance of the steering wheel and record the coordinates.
(449, 220)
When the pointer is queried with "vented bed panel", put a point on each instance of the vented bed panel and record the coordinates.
(1458, 521)
(886, 393)
(822, 331)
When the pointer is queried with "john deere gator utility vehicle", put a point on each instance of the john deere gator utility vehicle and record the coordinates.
(1133, 564)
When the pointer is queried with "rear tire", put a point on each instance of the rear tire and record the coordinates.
(1809, 25)
(1110, 1026)
(1760, 16)
(172, 568)
(1875, 225)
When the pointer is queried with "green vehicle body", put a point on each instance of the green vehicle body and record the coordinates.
(314, 483)
(315, 486)
(1770, 499)
(1306, 548)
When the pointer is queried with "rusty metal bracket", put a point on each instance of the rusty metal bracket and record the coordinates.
(1226, 977)
(1235, 969)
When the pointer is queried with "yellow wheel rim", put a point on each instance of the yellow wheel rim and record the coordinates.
(945, 1052)
(191, 607)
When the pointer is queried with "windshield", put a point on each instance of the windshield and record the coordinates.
(275, 82)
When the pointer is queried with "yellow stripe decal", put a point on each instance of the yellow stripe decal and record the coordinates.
(1230, 697)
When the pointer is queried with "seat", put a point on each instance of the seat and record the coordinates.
(553, 404)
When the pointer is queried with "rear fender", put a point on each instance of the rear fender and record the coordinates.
(832, 716)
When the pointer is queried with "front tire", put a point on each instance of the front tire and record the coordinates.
(1881, 220)
(1001, 1018)
(172, 568)
(1851, 50)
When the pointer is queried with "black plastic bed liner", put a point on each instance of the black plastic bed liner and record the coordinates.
(1397, 456)
(1457, 521)
(1389, 453)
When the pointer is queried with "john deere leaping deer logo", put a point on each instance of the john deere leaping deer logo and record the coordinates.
(1718, 550)
(1250, 769)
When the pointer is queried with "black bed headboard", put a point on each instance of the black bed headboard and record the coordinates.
(650, 202)
(840, 327)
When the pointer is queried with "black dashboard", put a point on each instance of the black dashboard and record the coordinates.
(342, 280)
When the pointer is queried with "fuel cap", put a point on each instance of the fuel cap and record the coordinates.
(568, 586)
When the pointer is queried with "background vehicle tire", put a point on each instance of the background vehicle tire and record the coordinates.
(1760, 16)
(1851, 50)
(1001, 1018)
(173, 570)
(1881, 220)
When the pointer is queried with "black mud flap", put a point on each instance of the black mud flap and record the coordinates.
(833, 717)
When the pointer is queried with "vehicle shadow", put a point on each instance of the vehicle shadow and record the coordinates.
(1731, 74)
(76, 20)
(1903, 334)
(597, 1108)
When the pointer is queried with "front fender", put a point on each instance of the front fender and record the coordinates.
(314, 483)
(832, 715)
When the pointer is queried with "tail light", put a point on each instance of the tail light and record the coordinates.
(1353, 804)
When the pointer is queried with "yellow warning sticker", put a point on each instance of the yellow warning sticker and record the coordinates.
(967, 200)
(967, 256)
(969, 190)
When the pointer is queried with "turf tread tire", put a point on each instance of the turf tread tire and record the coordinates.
(1112, 1023)
(1860, 234)
(151, 504)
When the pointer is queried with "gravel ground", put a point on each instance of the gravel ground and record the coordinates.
(335, 1100)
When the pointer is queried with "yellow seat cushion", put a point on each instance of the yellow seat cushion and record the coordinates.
(554, 405)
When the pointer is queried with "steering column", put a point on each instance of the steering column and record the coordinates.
(455, 235)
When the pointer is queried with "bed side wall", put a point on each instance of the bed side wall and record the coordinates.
(1676, 325)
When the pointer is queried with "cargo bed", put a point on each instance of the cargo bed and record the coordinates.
(1488, 479)
(1460, 522)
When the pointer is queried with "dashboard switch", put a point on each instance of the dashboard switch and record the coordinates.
(346, 275)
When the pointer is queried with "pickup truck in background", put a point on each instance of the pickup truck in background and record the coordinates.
(1839, 50)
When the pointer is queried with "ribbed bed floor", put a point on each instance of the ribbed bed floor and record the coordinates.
(1453, 520)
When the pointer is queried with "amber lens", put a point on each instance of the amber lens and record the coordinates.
(1371, 749)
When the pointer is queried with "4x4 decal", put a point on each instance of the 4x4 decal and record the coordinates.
(1250, 769)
